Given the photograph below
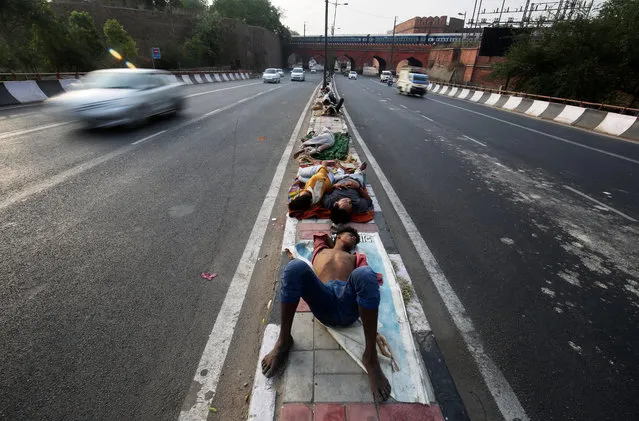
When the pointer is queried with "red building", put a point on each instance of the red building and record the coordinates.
(430, 25)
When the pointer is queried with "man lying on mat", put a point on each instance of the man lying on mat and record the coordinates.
(339, 289)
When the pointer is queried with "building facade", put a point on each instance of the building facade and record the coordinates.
(430, 25)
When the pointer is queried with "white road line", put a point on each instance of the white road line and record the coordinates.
(404, 107)
(502, 392)
(625, 158)
(476, 141)
(137, 142)
(35, 129)
(427, 118)
(592, 199)
(223, 89)
(219, 340)
(71, 172)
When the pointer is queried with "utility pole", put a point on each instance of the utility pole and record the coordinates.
(472, 19)
(390, 65)
(325, 44)
(478, 13)
(304, 28)
(501, 10)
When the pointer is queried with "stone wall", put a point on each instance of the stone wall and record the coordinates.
(245, 47)
(463, 65)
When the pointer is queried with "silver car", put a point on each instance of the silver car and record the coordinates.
(120, 96)
(298, 74)
(271, 76)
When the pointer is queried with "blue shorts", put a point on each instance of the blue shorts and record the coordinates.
(335, 303)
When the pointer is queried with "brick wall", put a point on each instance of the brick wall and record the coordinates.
(463, 65)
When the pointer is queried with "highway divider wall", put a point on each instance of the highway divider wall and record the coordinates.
(607, 122)
(32, 91)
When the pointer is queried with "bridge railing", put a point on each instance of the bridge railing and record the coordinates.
(11, 76)
(585, 104)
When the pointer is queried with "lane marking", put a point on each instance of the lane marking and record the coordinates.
(137, 142)
(56, 179)
(223, 89)
(634, 161)
(427, 118)
(473, 140)
(592, 199)
(35, 129)
(217, 346)
(500, 389)
(404, 107)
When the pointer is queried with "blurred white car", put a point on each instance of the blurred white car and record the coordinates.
(313, 70)
(298, 74)
(352, 75)
(271, 75)
(281, 72)
(120, 96)
(383, 77)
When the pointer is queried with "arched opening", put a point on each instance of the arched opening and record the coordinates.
(343, 64)
(410, 61)
(294, 60)
(379, 63)
(316, 62)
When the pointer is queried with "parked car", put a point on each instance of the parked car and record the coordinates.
(383, 77)
(298, 74)
(313, 70)
(413, 81)
(271, 75)
(120, 96)
(281, 72)
(352, 75)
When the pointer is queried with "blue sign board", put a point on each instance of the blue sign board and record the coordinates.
(155, 53)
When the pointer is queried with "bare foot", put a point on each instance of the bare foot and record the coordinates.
(363, 166)
(275, 359)
(380, 387)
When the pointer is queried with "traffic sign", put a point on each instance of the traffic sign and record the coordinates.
(155, 53)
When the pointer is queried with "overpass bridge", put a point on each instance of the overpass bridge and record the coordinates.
(370, 50)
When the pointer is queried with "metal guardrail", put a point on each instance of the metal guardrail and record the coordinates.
(585, 104)
(74, 75)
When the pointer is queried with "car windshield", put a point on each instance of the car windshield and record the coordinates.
(115, 80)
(297, 70)
(419, 78)
(386, 72)
(270, 71)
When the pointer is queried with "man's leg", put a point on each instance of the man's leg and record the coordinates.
(298, 281)
(363, 282)
(305, 173)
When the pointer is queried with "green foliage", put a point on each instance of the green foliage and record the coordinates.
(203, 47)
(85, 47)
(118, 39)
(586, 59)
(253, 12)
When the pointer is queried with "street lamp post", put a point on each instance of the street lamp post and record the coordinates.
(325, 45)
(390, 65)
(335, 15)
(463, 27)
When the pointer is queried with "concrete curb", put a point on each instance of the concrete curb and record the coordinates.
(33, 91)
(614, 124)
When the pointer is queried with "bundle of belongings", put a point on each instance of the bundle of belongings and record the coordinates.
(329, 190)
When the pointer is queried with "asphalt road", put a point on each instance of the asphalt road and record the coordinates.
(549, 277)
(103, 313)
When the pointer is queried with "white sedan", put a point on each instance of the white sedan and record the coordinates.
(120, 96)
(271, 75)
(352, 75)
(298, 74)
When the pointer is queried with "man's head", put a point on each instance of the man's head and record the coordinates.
(300, 202)
(339, 215)
(348, 237)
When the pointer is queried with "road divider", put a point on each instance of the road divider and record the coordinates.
(33, 91)
(606, 122)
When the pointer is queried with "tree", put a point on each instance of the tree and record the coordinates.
(253, 12)
(85, 45)
(118, 39)
(203, 47)
(589, 59)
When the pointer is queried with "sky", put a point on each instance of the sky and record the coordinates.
(372, 16)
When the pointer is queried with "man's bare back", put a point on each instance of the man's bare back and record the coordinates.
(332, 264)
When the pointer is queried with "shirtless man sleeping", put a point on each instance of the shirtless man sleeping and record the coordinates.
(339, 289)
